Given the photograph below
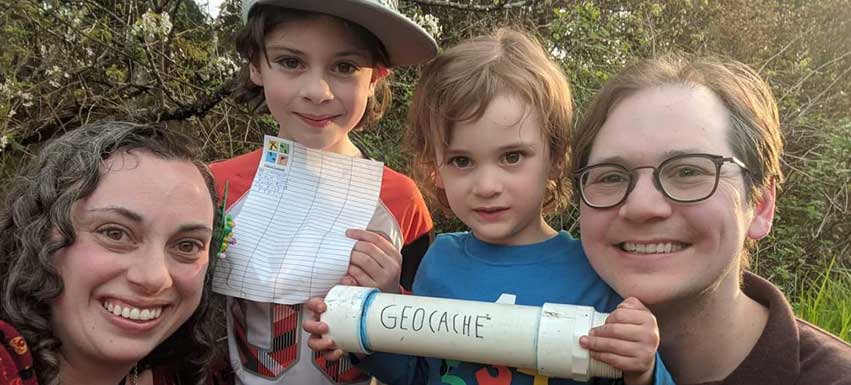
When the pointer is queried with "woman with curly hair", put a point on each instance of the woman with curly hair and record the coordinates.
(106, 247)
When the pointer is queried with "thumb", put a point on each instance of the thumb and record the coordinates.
(632, 303)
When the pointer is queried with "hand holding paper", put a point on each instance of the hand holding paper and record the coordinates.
(375, 262)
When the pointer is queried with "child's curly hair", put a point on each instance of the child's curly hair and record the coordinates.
(458, 86)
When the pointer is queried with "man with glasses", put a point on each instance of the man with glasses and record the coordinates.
(676, 163)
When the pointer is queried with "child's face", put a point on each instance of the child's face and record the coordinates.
(495, 172)
(316, 80)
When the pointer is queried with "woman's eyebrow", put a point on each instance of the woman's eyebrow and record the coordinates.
(195, 227)
(138, 218)
(124, 212)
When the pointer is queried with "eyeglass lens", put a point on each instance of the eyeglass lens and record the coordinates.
(684, 179)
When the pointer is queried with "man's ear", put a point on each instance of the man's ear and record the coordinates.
(763, 215)
(255, 74)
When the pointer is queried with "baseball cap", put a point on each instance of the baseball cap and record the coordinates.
(405, 41)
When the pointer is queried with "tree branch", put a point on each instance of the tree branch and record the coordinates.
(199, 108)
(471, 7)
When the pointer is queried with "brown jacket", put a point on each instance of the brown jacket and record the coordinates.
(790, 350)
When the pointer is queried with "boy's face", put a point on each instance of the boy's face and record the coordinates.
(495, 172)
(653, 248)
(317, 80)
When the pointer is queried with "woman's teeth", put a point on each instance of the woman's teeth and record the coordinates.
(652, 248)
(133, 313)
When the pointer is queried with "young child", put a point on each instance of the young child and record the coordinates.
(491, 120)
(319, 68)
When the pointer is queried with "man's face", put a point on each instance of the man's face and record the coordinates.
(650, 247)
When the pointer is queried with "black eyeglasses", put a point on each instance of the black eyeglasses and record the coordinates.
(683, 178)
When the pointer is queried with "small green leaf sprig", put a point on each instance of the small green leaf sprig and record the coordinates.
(223, 234)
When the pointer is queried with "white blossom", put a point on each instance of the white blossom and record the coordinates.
(52, 71)
(152, 26)
(430, 23)
(26, 97)
(4, 140)
(225, 65)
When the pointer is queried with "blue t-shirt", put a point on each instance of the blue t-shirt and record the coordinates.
(459, 266)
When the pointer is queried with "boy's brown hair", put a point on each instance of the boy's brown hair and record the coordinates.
(460, 84)
(251, 46)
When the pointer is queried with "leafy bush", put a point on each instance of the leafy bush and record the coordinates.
(68, 63)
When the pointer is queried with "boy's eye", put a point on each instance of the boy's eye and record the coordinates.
(346, 68)
(460, 161)
(512, 157)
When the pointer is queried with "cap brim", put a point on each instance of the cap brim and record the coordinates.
(405, 41)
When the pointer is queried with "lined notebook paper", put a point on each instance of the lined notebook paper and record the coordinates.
(290, 231)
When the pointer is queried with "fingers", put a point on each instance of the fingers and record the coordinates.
(374, 261)
(629, 324)
(632, 303)
(624, 332)
(376, 246)
(323, 344)
(631, 311)
(624, 355)
(319, 340)
(349, 281)
(315, 327)
(628, 340)
(317, 306)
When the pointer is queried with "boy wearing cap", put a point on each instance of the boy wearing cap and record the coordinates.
(319, 67)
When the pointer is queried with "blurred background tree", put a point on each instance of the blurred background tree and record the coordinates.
(65, 63)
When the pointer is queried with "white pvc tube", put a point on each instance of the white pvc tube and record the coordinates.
(363, 320)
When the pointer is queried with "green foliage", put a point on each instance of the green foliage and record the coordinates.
(826, 300)
(67, 63)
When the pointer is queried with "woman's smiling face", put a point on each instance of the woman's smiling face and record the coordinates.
(135, 271)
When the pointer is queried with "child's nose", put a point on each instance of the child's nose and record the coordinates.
(316, 88)
(487, 183)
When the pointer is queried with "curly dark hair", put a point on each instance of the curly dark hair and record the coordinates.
(35, 222)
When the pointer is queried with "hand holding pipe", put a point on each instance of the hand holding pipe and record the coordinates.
(363, 320)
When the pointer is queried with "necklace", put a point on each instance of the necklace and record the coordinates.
(134, 376)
